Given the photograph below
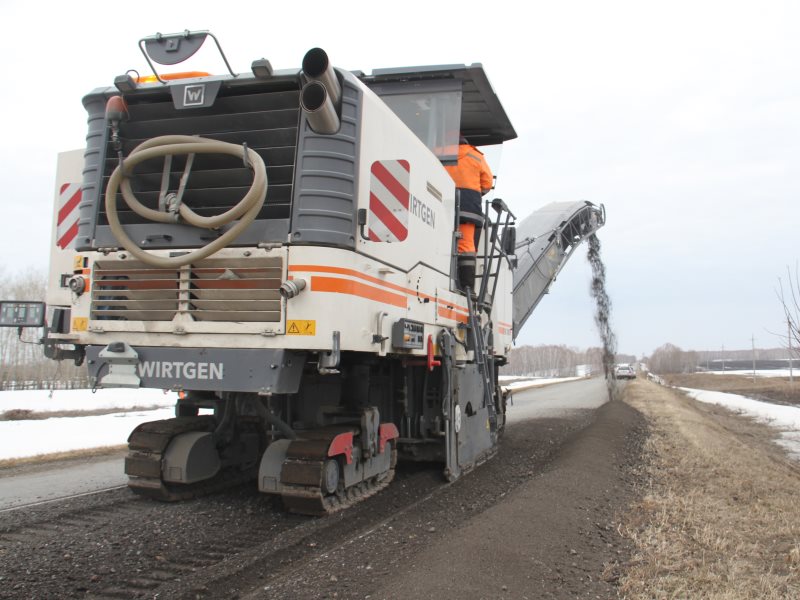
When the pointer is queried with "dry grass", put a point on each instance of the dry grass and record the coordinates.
(720, 515)
(11, 463)
(776, 389)
(23, 414)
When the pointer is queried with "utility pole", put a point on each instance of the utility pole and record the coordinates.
(723, 359)
(753, 341)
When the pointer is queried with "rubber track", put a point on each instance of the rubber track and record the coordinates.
(309, 500)
(146, 445)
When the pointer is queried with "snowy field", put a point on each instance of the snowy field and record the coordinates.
(28, 438)
(786, 419)
(19, 439)
(62, 434)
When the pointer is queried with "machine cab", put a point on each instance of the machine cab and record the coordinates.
(439, 102)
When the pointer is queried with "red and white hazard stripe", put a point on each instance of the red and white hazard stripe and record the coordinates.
(67, 220)
(390, 182)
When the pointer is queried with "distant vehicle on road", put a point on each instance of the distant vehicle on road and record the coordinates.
(624, 372)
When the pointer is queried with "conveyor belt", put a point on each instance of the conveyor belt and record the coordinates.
(545, 241)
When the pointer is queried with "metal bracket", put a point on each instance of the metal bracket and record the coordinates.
(329, 361)
(379, 338)
(174, 48)
(122, 361)
(245, 157)
(361, 216)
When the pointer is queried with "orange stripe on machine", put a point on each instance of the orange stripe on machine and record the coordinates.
(445, 308)
(447, 312)
(359, 275)
(356, 288)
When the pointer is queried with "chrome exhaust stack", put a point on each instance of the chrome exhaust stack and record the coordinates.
(321, 94)
(317, 67)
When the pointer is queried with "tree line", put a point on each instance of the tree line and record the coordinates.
(669, 358)
(557, 361)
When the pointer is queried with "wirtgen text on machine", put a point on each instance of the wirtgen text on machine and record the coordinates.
(423, 211)
(178, 369)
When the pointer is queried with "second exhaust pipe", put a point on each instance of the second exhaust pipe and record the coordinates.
(318, 108)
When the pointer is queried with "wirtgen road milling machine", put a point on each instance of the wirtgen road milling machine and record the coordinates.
(280, 247)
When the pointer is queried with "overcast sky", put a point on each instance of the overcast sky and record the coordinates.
(683, 118)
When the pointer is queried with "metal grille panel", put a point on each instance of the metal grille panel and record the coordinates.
(238, 290)
(266, 120)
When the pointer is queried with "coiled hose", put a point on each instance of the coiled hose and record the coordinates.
(246, 210)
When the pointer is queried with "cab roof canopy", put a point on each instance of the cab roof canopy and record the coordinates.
(483, 118)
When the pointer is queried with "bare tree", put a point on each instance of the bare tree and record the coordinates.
(669, 358)
(788, 293)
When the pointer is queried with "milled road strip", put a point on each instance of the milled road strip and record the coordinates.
(60, 499)
(720, 516)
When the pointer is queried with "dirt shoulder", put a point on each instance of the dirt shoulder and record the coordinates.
(719, 515)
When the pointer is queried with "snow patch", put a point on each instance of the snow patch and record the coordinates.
(20, 439)
(786, 419)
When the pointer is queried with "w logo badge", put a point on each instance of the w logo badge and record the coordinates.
(194, 95)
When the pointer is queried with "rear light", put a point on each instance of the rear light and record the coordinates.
(172, 76)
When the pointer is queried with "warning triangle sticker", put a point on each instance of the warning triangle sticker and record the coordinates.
(293, 328)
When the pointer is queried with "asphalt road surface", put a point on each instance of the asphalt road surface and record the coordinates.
(56, 480)
(557, 400)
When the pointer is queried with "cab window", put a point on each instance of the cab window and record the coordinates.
(431, 109)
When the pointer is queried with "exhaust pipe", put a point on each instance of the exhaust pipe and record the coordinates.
(318, 108)
(322, 93)
(317, 67)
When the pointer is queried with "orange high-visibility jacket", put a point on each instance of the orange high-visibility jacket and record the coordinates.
(471, 172)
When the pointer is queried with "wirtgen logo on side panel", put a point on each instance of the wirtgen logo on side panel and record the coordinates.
(194, 95)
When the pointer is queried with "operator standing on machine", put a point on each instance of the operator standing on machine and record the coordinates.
(473, 179)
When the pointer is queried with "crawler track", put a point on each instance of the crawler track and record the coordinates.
(303, 476)
(310, 500)
(147, 444)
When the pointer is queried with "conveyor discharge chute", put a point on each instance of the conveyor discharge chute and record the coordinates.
(545, 241)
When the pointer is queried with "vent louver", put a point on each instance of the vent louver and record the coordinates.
(238, 290)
